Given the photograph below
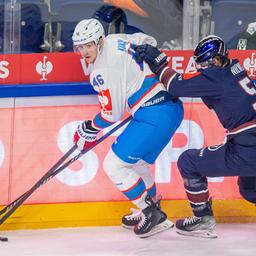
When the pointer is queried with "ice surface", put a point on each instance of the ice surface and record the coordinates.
(234, 239)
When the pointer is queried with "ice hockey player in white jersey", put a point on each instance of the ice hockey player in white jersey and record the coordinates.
(124, 85)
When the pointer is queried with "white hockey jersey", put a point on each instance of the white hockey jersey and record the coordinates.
(122, 83)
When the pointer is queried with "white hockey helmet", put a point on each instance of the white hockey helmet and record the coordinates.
(88, 31)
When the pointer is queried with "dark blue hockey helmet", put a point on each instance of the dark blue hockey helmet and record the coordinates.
(112, 18)
(208, 48)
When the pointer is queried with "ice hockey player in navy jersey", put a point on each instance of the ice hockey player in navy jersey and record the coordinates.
(224, 87)
(123, 85)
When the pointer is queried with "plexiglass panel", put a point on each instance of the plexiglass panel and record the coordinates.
(30, 26)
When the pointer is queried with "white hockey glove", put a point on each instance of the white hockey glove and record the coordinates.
(86, 135)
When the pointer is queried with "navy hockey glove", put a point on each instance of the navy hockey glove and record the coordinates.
(156, 59)
(86, 135)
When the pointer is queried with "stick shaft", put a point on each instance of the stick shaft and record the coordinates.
(11, 208)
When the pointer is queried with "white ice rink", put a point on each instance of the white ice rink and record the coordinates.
(233, 240)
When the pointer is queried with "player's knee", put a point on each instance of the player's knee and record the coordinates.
(112, 165)
(186, 164)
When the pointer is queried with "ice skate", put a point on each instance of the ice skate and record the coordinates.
(197, 227)
(132, 219)
(153, 220)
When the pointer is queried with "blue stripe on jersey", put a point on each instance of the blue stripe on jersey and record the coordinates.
(152, 190)
(146, 86)
(136, 190)
(101, 123)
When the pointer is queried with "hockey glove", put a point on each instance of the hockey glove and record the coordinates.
(156, 59)
(86, 135)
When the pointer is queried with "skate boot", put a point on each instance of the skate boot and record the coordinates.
(132, 219)
(153, 220)
(197, 226)
(202, 225)
(164, 223)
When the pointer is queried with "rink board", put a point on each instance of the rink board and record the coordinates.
(110, 214)
(35, 135)
(34, 138)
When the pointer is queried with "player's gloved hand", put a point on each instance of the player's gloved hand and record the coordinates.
(86, 135)
(156, 59)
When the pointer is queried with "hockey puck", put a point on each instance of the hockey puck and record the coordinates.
(4, 239)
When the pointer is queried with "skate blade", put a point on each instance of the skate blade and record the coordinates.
(167, 224)
(127, 227)
(200, 233)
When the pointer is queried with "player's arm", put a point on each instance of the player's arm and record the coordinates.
(193, 85)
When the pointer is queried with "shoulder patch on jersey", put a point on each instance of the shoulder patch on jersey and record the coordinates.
(187, 76)
(121, 45)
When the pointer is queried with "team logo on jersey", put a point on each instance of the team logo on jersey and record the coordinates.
(250, 65)
(105, 102)
(44, 68)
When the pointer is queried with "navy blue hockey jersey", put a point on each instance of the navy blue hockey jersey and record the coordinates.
(227, 90)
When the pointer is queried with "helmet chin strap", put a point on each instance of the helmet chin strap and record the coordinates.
(99, 49)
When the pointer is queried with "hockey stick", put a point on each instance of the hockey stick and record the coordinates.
(53, 168)
(52, 172)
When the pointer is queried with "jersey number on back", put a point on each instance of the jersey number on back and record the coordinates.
(249, 88)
